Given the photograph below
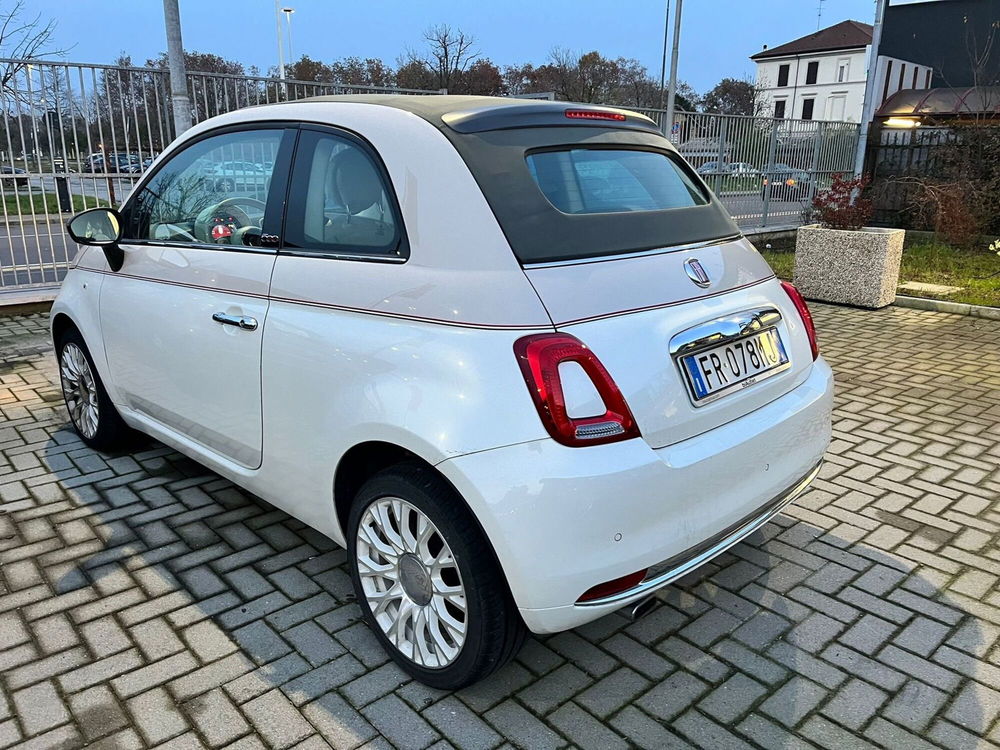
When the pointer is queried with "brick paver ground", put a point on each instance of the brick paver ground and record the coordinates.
(146, 601)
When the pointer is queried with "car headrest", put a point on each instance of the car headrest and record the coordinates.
(357, 181)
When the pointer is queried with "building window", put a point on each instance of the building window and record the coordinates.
(888, 72)
(843, 67)
(914, 84)
(927, 80)
(779, 108)
(902, 72)
(807, 108)
(783, 74)
(836, 104)
(812, 71)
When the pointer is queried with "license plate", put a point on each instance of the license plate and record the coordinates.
(712, 373)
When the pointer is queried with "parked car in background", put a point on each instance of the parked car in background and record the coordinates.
(242, 176)
(742, 168)
(13, 177)
(713, 168)
(116, 162)
(514, 355)
(786, 183)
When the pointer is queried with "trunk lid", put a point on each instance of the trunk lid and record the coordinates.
(630, 310)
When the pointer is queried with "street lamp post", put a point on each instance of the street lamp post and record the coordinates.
(674, 54)
(288, 23)
(281, 46)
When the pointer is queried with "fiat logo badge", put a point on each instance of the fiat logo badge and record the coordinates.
(695, 272)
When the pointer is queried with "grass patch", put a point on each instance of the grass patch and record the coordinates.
(46, 203)
(933, 263)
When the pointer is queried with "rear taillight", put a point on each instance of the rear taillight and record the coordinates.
(539, 357)
(803, 309)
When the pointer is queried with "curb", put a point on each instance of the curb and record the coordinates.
(955, 308)
(24, 301)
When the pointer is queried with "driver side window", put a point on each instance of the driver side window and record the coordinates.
(213, 192)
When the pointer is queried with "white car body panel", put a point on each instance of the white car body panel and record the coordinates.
(419, 354)
(563, 518)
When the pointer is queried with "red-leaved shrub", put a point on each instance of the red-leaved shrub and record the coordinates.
(841, 206)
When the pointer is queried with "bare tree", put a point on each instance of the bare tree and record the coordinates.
(24, 38)
(450, 53)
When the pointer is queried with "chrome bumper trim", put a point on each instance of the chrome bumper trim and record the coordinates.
(682, 564)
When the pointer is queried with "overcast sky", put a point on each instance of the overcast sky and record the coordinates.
(717, 35)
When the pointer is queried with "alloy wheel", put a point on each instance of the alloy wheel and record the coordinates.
(79, 389)
(411, 582)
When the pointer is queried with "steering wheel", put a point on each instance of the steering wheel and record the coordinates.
(228, 214)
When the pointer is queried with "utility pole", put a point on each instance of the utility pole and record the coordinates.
(175, 62)
(663, 64)
(868, 107)
(674, 54)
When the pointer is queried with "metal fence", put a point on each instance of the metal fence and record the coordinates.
(76, 136)
(765, 170)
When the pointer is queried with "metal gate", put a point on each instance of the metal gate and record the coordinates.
(77, 136)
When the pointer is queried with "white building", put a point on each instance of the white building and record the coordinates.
(821, 76)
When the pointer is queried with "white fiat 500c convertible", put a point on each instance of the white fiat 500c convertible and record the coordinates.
(513, 355)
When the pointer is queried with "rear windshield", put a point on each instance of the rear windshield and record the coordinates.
(595, 181)
(571, 193)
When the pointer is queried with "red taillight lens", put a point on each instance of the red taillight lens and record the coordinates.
(593, 114)
(609, 588)
(803, 309)
(539, 357)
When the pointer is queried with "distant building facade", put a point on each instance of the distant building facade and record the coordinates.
(822, 76)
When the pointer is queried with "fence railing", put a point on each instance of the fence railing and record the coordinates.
(765, 170)
(75, 136)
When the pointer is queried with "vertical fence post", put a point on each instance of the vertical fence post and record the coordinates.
(772, 148)
(814, 168)
(720, 179)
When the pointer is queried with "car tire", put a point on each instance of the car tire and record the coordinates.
(92, 414)
(410, 495)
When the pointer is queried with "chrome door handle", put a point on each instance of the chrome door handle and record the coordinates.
(244, 322)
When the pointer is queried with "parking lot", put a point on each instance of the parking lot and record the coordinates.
(145, 600)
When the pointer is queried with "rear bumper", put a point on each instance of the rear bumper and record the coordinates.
(565, 519)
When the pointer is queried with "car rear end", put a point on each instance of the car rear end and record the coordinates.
(681, 385)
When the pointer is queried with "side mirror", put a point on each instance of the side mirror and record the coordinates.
(101, 227)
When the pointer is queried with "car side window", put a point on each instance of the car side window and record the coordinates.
(212, 192)
(340, 202)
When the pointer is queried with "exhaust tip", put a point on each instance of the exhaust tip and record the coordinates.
(641, 608)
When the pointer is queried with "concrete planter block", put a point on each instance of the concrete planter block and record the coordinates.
(851, 267)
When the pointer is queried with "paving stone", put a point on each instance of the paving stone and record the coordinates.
(460, 725)
(40, 708)
(279, 723)
(732, 698)
(399, 723)
(216, 718)
(866, 614)
(522, 728)
(157, 716)
(584, 730)
(338, 723)
(97, 712)
(673, 695)
(854, 704)
(793, 701)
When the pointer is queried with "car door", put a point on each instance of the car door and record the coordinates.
(184, 317)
